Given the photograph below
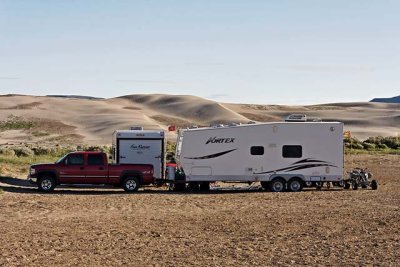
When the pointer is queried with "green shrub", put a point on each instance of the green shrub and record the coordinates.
(23, 152)
(383, 146)
(7, 151)
(368, 146)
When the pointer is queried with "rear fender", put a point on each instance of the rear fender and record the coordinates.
(129, 173)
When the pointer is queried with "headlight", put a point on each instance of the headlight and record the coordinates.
(32, 171)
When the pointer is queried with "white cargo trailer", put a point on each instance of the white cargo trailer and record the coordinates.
(280, 155)
(140, 147)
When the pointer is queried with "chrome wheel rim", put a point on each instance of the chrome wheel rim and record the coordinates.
(278, 186)
(295, 186)
(131, 184)
(46, 184)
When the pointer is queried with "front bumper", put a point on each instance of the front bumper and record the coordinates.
(32, 180)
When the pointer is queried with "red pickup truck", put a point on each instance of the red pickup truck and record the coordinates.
(89, 168)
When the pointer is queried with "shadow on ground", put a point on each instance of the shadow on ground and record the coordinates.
(16, 185)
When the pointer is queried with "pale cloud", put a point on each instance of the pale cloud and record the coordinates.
(9, 78)
(145, 81)
(327, 68)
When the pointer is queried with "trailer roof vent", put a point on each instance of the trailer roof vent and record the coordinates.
(296, 117)
(136, 128)
(217, 125)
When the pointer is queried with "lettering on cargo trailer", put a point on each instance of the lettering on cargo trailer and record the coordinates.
(215, 139)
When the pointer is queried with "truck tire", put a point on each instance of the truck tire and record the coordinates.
(46, 183)
(295, 184)
(131, 184)
(346, 185)
(277, 185)
(374, 185)
(354, 185)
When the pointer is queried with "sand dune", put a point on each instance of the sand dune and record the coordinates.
(92, 121)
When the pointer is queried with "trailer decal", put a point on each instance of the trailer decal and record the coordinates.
(212, 155)
(316, 163)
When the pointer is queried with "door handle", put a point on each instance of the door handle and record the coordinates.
(101, 168)
(82, 168)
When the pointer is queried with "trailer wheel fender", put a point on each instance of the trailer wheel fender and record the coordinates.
(295, 184)
(278, 184)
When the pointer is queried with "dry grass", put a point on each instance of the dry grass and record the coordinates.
(106, 227)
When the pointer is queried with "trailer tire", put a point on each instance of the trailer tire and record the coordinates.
(295, 184)
(46, 183)
(130, 184)
(205, 186)
(194, 186)
(179, 187)
(265, 185)
(374, 185)
(277, 185)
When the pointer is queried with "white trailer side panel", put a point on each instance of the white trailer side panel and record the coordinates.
(225, 154)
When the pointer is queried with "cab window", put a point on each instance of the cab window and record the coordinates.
(95, 160)
(76, 159)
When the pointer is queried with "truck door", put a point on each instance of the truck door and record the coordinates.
(96, 169)
(142, 151)
(72, 171)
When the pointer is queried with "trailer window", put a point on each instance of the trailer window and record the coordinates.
(257, 150)
(291, 151)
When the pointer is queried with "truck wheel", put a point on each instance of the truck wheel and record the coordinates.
(46, 184)
(277, 185)
(265, 185)
(131, 184)
(374, 185)
(205, 186)
(354, 185)
(346, 185)
(295, 185)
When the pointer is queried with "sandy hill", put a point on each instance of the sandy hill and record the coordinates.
(92, 121)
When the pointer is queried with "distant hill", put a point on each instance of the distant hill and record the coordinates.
(395, 99)
(75, 96)
(88, 120)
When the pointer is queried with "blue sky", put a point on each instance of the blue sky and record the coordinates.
(267, 52)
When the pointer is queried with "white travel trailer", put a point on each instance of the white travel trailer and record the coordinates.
(280, 155)
(140, 147)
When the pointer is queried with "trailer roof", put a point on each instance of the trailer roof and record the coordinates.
(262, 124)
(138, 133)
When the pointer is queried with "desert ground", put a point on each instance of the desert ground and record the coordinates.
(45, 119)
(226, 227)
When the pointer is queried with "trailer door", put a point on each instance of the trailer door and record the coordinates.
(142, 151)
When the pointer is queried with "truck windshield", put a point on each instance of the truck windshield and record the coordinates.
(61, 159)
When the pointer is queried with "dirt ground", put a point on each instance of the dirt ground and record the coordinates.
(106, 227)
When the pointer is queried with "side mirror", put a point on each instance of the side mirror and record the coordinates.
(110, 157)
